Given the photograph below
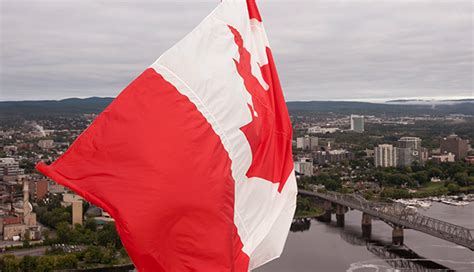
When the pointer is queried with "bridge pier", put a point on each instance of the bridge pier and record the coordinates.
(366, 225)
(328, 208)
(397, 235)
(340, 211)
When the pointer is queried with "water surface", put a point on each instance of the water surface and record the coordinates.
(325, 247)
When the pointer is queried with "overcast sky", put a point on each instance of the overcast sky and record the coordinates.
(324, 50)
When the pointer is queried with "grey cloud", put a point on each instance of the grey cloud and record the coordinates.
(324, 49)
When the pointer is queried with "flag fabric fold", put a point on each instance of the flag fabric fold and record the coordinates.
(193, 159)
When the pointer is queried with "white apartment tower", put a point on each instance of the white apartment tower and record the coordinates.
(385, 156)
(357, 123)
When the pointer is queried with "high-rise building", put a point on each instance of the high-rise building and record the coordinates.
(409, 142)
(409, 150)
(304, 166)
(38, 188)
(454, 144)
(77, 213)
(357, 123)
(307, 143)
(385, 155)
(405, 156)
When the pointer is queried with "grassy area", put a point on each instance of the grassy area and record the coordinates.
(433, 186)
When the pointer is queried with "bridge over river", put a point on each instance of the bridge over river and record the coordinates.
(396, 215)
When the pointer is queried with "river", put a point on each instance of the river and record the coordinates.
(325, 247)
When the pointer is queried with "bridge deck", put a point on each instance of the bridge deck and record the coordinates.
(399, 215)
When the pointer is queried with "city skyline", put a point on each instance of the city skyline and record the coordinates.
(351, 50)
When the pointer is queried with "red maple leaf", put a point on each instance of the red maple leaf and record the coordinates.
(269, 133)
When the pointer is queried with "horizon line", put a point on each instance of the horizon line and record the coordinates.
(366, 100)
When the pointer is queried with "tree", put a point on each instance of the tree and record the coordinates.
(90, 224)
(421, 177)
(9, 263)
(453, 188)
(64, 233)
(28, 263)
(461, 178)
(407, 169)
(400, 179)
(28, 165)
(332, 185)
(416, 166)
(391, 192)
(68, 261)
(93, 254)
(46, 234)
(435, 173)
(470, 180)
(368, 194)
(454, 168)
(45, 264)
(108, 235)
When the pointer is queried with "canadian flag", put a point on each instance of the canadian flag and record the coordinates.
(193, 159)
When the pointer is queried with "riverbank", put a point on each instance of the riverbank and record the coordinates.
(431, 189)
(307, 208)
(314, 213)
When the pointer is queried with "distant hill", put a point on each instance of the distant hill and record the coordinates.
(74, 106)
(393, 109)
(430, 102)
(44, 108)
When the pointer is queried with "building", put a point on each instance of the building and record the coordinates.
(369, 153)
(10, 149)
(77, 213)
(405, 156)
(69, 198)
(409, 150)
(38, 188)
(18, 225)
(385, 155)
(307, 143)
(454, 144)
(424, 155)
(14, 231)
(56, 188)
(29, 217)
(304, 166)
(320, 130)
(450, 157)
(10, 170)
(469, 159)
(332, 156)
(46, 144)
(409, 142)
(7, 219)
(357, 123)
(100, 216)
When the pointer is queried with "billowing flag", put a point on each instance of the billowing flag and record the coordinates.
(193, 159)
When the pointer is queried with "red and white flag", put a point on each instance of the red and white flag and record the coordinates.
(193, 159)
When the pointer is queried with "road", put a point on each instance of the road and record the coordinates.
(35, 251)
